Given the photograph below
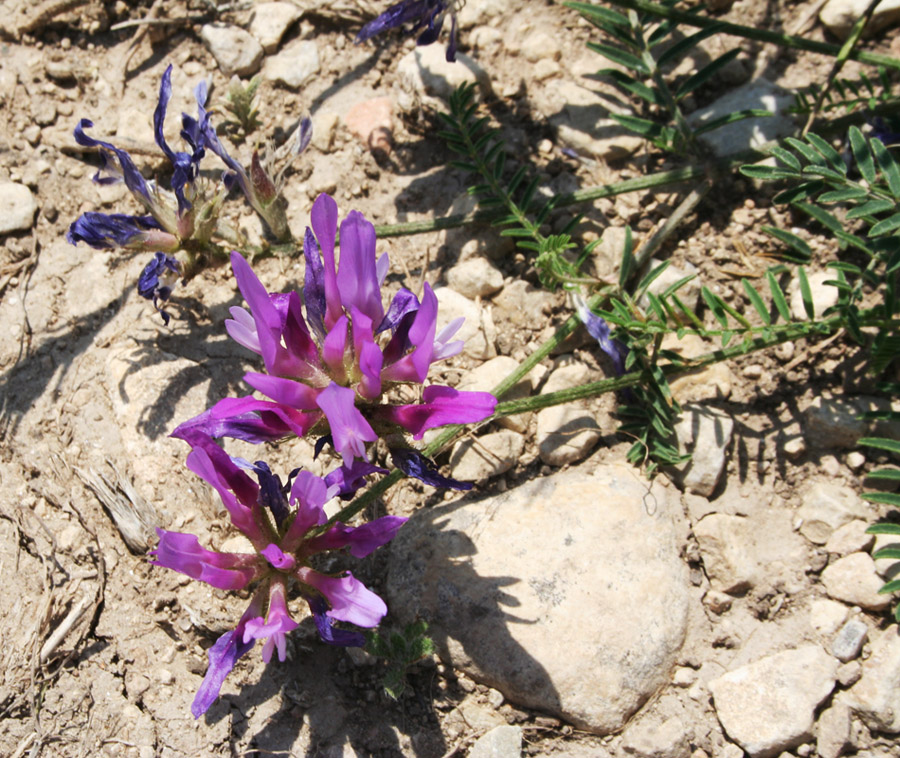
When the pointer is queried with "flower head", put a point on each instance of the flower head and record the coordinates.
(286, 524)
(424, 17)
(331, 354)
(599, 330)
(157, 279)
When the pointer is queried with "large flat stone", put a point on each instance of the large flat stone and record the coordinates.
(567, 594)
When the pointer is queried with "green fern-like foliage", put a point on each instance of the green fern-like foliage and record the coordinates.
(635, 41)
(892, 552)
(849, 95)
(400, 650)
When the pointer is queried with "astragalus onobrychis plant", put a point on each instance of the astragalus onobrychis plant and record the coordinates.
(334, 354)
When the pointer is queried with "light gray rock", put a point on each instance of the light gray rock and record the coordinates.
(452, 305)
(478, 12)
(17, 207)
(827, 616)
(751, 132)
(236, 51)
(833, 731)
(768, 706)
(475, 460)
(475, 277)
(500, 742)
(651, 739)
(689, 294)
(739, 553)
(876, 696)
(823, 295)
(426, 71)
(839, 16)
(271, 21)
(539, 45)
(849, 641)
(565, 434)
(607, 256)
(705, 434)
(295, 65)
(488, 375)
(584, 125)
(853, 579)
(567, 375)
(710, 383)
(512, 584)
(833, 423)
(851, 538)
(825, 507)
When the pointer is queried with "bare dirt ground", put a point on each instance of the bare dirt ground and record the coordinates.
(92, 383)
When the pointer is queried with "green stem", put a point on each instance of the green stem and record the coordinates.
(748, 32)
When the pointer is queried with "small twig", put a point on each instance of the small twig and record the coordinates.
(672, 223)
(64, 628)
(156, 22)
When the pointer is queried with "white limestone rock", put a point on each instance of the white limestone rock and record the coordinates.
(475, 277)
(487, 456)
(854, 580)
(512, 584)
(236, 51)
(768, 706)
(875, 698)
(17, 207)
(706, 434)
(271, 21)
(839, 16)
(295, 65)
(826, 507)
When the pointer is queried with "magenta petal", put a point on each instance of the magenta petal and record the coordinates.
(440, 406)
(357, 275)
(268, 319)
(323, 218)
(349, 598)
(278, 558)
(309, 492)
(334, 349)
(284, 391)
(248, 419)
(275, 626)
(361, 540)
(368, 355)
(183, 553)
(349, 429)
(413, 367)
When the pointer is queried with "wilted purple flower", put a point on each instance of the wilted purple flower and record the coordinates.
(599, 330)
(188, 213)
(262, 185)
(109, 230)
(883, 131)
(425, 16)
(285, 526)
(331, 367)
(157, 279)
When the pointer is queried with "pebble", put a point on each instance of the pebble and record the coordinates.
(833, 731)
(478, 12)
(855, 460)
(584, 125)
(827, 616)
(488, 375)
(566, 434)
(271, 21)
(717, 602)
(235, 51)
(607, 256)
(851, 538)
(826, 506)
(705, 433)
(500, 742)
(853, 580)
(526, 563)
(839, 16)
(849, 641)
(876, 696)
(17, 207)
(711, 383)
(689, 294)
(648, 738)
(750, 132)
(887, 568)
(823, 295)
(794, 448)
(833, 423)
(768, 706)
(475, 277)
(545, 69)
(295, 65)
(325, 130)
(487, 456)
(728, 563)
(540, 45)
(425, 71)
(849, 673)
(371, 121)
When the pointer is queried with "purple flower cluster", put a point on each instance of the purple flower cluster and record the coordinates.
(327, 369)
(187, 216)
(286, 526)
(425, 17)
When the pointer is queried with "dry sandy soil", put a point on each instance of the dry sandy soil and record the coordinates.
(92, 383)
